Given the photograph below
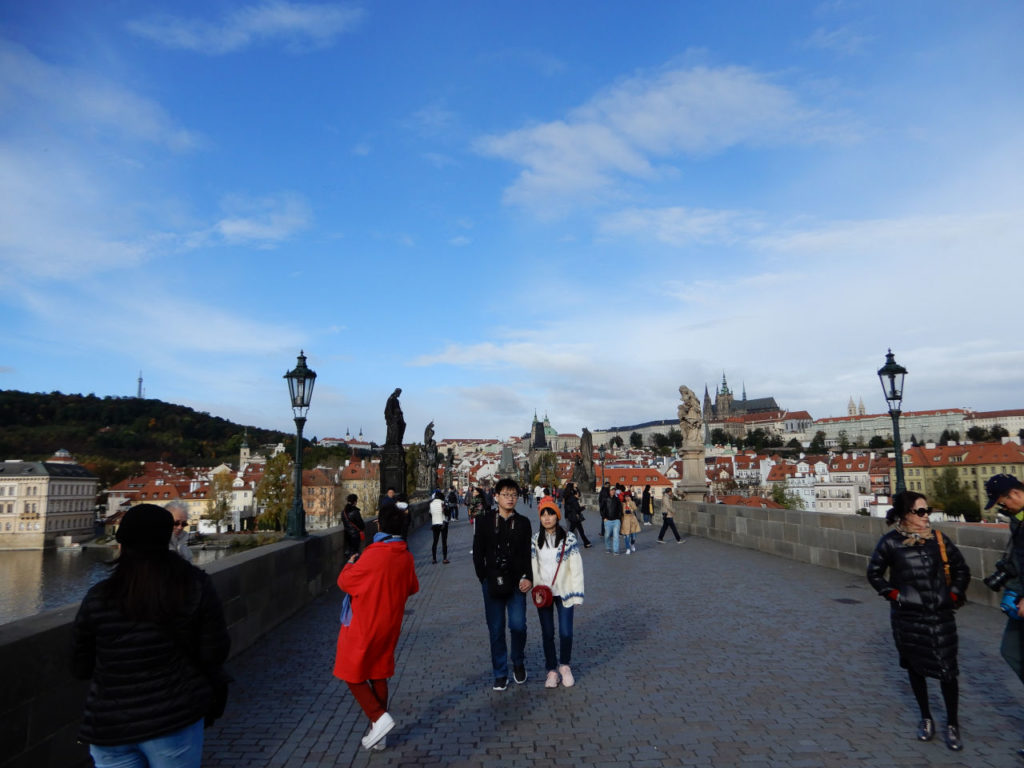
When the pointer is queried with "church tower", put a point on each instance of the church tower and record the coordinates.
(723, 400)
(851, 409)
(708, 409)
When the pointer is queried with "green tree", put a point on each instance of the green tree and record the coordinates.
(218, 499)
(877, 442)
(412, 462)
(660, 440)
(675, 437)
(950, 495)
(844, 440)
(786, 498)
(720, 437)
(817, 443)
(998, 432)
(794, 445)
(616, 442)
(978, 434)
(636, 440)
(275, 493)
(949, 435)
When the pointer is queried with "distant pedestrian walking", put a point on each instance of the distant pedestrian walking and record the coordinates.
(924, 577)
(439, 525)
(352, 520)
(557, 564)
(612, 523)
(666, 518)
(630, 525)
(377, 585)
(574, 513)
(647, 506)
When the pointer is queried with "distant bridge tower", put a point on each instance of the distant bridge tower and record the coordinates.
(139, 395)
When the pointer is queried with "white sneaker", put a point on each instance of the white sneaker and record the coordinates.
(628, 550)
(552, 681)
(378, 730)
(380, 745)
(567, 679)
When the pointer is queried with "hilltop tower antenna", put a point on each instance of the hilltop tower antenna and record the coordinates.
(140, 386)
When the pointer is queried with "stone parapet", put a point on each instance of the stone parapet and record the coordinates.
(842, 542)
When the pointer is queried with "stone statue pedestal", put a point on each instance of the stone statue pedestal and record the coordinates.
(392, 469)
(693, 484)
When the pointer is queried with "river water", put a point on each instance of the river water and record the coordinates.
(36, 581)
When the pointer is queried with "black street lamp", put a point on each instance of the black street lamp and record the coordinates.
(600, 455)
(300, 387)
(891, 375)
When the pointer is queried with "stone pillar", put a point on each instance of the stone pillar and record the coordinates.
(392, 469)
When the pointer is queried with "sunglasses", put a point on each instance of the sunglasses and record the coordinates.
(181, 524)
(922, 511)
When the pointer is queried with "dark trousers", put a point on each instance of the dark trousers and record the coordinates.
(668, 522)
(547, 631)
(372, 697)
(577, 528)
(442, 532)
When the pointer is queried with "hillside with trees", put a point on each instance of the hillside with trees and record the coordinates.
(118, 430)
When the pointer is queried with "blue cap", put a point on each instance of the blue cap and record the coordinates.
(998, 486)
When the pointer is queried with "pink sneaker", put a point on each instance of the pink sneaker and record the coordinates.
(552, 681)
(567, 679)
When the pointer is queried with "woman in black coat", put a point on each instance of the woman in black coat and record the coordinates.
(924, 577)
(151, 639)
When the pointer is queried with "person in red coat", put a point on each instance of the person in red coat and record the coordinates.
(376, 584)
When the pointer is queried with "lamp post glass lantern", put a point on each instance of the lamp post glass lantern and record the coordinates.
(300, 389)
(600, 455)
(891, 376)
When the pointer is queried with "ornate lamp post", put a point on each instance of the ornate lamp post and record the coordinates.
(600, 455)
(300, 387)
(891, 375)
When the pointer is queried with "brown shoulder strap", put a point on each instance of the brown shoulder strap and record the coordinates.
(945, 560)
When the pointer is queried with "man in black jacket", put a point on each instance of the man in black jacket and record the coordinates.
(501, 556)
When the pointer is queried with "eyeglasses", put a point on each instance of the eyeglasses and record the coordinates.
(922, 511)
(180, 524)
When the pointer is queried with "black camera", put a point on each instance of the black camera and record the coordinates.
(998, 578)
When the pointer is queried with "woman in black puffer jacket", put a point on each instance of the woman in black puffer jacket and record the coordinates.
(150, 638)
(927, 581)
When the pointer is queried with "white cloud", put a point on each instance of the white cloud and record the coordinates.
(301, 25)
(460, 241)
(843, 40)
(678, 226)
(624, 131)
(268, 220)
(48, 97)
(57, 221)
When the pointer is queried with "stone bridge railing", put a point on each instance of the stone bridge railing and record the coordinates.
(842, 542)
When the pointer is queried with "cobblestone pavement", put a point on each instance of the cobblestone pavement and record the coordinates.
(698, 654)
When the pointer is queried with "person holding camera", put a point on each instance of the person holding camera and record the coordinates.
(924, 577)
(1007, 492)
(501, 557)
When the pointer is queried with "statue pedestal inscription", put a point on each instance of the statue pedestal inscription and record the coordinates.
(693, 485)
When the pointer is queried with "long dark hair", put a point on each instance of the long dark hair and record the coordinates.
(559, 536)
(150, 586)
(902, 503)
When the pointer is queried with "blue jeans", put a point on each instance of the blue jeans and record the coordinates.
(611, 535)
(547, 631)
(181, 749)
(630, 540)
(495, 609)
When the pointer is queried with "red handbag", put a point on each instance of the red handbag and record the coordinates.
(541, 594)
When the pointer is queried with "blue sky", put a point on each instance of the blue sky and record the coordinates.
(572, 207)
